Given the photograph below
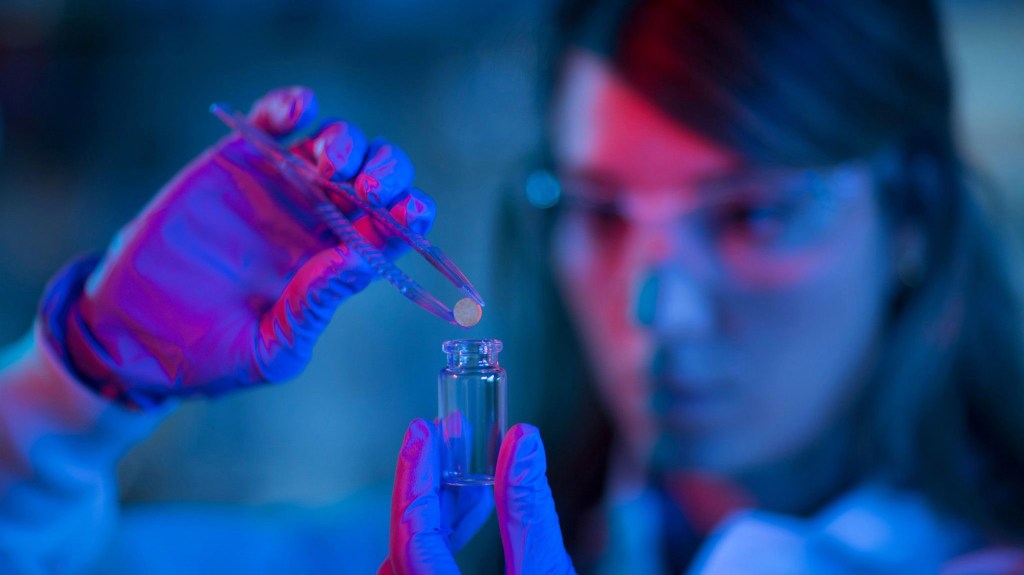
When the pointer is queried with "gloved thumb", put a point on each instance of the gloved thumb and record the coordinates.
(530, 534)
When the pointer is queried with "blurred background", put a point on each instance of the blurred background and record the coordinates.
(102, 102)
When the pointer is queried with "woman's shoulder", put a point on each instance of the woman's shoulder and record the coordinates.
(872, 529)
(881, 521)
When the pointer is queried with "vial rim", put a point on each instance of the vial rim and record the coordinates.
(481, 346)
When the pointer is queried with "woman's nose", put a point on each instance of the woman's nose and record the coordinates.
(673, 303)
(674, 293)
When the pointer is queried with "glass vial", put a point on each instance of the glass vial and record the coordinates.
(472, 398)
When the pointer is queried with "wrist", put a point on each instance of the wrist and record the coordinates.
(71, 339)
(62, 291)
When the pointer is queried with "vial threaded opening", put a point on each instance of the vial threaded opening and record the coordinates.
(471, 346)
(467, 352)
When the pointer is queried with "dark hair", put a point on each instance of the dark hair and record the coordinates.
(809, 84)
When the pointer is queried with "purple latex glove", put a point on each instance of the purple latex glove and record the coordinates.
(227, 278)
(424, 530)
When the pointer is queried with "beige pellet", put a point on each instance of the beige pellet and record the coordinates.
(467, 312)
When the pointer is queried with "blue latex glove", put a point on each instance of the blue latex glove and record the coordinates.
(425, 532)
(228, 277)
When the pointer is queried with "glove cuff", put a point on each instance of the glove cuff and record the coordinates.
(64, 329)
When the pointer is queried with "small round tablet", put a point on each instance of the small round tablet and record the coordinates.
(467, 312)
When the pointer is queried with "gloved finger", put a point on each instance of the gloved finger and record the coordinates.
(530, 533)
(386, 173)
(287, 332)
(284, 110)
(338, 150)
(418, 543)
(413, 209)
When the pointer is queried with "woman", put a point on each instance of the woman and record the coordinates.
(799, 323)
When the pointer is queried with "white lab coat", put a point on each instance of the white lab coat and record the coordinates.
(59, 446)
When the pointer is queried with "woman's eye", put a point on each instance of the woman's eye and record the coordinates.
(761, 223)
(605, 220)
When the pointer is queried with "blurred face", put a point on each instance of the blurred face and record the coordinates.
(729, 312)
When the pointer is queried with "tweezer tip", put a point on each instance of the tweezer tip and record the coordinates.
(462, 282)
(472, 294)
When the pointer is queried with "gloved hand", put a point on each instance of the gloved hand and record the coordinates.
(425, 533)
(227, 278)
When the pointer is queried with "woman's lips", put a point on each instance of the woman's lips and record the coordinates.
(686, 403)
(692, 386)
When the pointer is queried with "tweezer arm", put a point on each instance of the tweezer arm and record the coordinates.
(407, 286)
(304, 177)
(429, 252)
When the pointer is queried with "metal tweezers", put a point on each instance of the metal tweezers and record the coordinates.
(302, 174)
